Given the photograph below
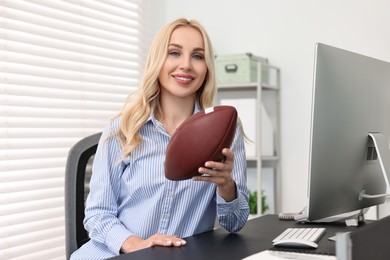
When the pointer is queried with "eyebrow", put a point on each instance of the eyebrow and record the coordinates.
(181, 47)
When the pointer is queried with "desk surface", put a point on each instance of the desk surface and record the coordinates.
(256, 236)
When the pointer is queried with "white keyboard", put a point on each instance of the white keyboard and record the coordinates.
(303, 234)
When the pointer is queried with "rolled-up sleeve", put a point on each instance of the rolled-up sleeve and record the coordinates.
(233, 215)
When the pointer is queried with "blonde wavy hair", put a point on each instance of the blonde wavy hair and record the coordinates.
(139, 105)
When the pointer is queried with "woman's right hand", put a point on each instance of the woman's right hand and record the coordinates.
(135, 243)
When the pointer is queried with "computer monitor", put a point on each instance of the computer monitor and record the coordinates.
(350, 132)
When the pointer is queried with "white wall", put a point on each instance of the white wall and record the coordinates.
(285, 32)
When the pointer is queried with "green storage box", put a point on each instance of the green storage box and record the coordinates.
(240, 68)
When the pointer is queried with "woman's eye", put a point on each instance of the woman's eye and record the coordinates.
(174, 53)
(198, 56)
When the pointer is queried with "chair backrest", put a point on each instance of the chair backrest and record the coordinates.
(77, 175)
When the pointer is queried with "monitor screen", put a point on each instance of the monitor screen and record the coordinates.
(351, 98)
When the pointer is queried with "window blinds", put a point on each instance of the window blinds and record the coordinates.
(66, 68)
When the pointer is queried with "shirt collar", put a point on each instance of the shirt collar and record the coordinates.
(153, 119)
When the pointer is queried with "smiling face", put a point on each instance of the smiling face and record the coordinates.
(184, 69)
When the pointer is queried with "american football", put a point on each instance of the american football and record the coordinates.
(198, 139)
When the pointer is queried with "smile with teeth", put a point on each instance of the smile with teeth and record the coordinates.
(183, 78)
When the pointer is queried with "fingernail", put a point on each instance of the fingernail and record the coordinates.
(183, 242)
(178, 243)
(169, 242)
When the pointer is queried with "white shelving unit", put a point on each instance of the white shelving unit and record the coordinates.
(258, 106)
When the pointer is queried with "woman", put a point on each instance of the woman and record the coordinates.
(131, 204)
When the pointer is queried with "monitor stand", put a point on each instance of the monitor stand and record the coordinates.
(382, 150)
(353, 218)
(378, 149)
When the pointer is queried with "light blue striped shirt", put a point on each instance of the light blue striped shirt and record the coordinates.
(133, 197)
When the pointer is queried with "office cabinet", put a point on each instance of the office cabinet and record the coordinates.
(258, 106)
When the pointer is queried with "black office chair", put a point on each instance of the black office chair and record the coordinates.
(78, 173)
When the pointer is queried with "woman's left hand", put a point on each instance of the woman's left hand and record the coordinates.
(220, 173)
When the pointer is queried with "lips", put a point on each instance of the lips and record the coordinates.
(183, 78)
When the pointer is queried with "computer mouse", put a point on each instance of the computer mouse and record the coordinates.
(297, 243)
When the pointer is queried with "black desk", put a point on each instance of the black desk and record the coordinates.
(256, 236)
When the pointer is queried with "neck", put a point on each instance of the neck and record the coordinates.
(173, 114)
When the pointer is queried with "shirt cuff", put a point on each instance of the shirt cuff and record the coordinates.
(225, 208)
(116, 237)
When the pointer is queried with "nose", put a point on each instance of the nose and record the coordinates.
(185, 63)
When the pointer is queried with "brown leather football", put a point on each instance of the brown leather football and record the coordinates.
(199, 139)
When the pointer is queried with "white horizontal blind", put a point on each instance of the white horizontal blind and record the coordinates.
(66, 68)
